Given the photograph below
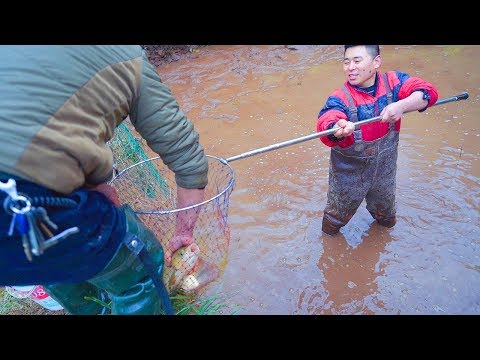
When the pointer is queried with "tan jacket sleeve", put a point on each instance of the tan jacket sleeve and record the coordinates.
(157, 117)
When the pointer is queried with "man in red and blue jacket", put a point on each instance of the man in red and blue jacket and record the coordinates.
(363, 162)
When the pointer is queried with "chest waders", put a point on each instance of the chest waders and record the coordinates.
(132, 279)
(364, 170)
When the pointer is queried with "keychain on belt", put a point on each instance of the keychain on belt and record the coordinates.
(31, 223)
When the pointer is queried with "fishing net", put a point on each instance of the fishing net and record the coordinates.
(149, 187)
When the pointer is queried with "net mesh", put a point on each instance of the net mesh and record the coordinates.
(149, 187)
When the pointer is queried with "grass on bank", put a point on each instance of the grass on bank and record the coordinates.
(183, 304)
(8, 303)
(189, 304)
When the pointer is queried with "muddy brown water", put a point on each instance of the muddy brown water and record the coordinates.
(246, 97)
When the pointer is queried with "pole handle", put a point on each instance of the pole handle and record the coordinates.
(462, 96)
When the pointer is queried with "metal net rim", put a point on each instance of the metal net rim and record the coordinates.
(162, 212)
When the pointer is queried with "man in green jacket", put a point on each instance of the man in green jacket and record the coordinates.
(59, 107)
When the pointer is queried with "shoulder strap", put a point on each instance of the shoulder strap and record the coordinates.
(351, 104)
(391, 126)
(387, 89)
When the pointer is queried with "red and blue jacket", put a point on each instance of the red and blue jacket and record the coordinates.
(368, 106)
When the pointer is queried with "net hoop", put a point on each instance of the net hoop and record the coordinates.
(228, 187)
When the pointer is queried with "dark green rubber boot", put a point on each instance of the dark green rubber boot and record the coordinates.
(129, 286)
(73, 298)
(141, 299)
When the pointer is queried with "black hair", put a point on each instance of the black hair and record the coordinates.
(373, 50)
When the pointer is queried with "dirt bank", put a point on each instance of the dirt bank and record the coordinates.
(164, 54)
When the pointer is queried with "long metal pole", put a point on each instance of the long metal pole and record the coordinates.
(462, 96)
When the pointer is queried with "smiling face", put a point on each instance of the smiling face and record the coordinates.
(360, 66)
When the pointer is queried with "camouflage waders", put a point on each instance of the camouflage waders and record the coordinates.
(362, 171)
